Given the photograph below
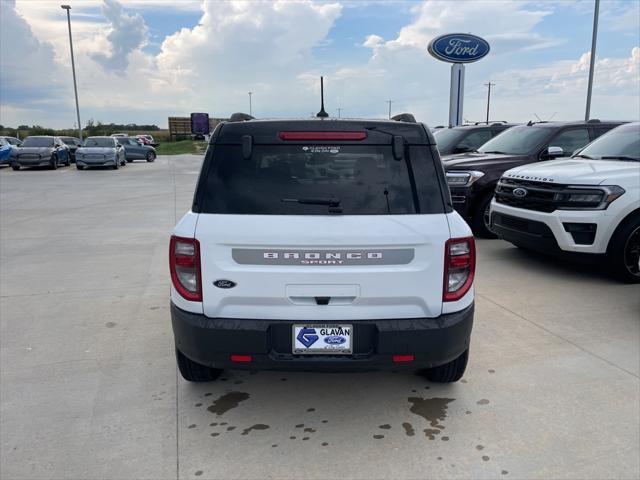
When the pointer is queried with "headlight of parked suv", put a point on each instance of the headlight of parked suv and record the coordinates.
(463, 179)
(585, 198)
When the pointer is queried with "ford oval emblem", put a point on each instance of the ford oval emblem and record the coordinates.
(520, 192)
(224, 284)
(334, 340)
(458, 48)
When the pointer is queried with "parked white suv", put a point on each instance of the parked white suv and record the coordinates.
(322, 244)
(586, 207)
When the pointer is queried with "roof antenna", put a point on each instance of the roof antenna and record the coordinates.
(322, 113)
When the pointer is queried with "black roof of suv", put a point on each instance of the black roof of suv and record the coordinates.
(467, 138)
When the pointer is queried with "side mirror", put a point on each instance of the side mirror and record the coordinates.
(554, 152)
(461, 149)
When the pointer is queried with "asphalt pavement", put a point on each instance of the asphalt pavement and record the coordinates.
(89, 388)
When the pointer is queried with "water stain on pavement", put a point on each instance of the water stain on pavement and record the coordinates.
(485, 458)
(386, 426)
(504, 472)
(310, 430)
(257, 426)
(227, 402)
(433, 410)
(484, 401)
(378, 437)
(110, 324)
(198, 473)
(479, 447)
(408, 429)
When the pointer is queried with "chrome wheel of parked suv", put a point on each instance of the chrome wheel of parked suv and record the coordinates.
(624, 251)
(151, 157)
(482, 220)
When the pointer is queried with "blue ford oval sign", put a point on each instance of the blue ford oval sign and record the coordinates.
(458, 48)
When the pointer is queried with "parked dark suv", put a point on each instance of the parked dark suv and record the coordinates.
(473, 176)
(467, 138)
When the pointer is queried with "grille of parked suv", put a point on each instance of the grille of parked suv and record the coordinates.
(538, 196)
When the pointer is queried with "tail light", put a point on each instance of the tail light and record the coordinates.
(459, 267)
(184, 262)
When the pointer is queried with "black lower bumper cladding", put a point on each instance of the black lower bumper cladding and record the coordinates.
(212, 341)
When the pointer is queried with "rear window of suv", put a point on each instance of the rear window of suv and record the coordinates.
(320, 180)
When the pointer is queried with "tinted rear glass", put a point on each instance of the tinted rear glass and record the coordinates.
(281, 180)
(38, 142)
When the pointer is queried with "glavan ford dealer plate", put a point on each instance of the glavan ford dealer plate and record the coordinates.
(322, 339)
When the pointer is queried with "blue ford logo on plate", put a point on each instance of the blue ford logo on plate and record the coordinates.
(458, 48)
(520, 192)
(334, 340)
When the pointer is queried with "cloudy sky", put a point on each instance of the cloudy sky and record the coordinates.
(139, 61)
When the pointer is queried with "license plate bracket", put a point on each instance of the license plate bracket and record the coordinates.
(322, 339)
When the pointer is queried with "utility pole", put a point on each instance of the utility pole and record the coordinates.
(592, 62)
(488, 98)
(73, 68)
(339, 110)
(389, 102)
(250, 110)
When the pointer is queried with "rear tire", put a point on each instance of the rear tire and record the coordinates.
(449, 372)
(195, 372)
(15, 167)
(151, 157)
(624, 251)
(129, 160)
(53, 165)
(79, 167)
(480, 220)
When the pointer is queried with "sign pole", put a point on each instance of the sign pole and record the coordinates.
(456, 94)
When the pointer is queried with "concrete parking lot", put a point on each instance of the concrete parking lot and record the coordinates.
(89, 388)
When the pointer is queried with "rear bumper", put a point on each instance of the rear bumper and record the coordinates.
(432, 341)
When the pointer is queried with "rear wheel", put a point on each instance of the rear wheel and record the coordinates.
(129, 160)
(624, 251)
(15, 166)
(116, 164)
(195, 372)
(151, 156)
(449, 372)
(53, 164)
(481, 219)
(79, 167)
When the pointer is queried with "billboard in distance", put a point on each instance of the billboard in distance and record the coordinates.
(200, 123)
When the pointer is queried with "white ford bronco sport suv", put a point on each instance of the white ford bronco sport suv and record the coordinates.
(322, 244)
(586, 207)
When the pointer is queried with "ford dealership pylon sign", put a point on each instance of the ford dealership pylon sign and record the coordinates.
(458, 48)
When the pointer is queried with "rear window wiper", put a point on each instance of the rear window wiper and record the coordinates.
(620, 157)
(331, 202)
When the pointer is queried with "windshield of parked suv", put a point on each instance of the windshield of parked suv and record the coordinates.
(99, 142)
(38, 142)
(446, 138)
(623, 143)
(13, 141)
(69, 140)
(521, 140)
(313, 180)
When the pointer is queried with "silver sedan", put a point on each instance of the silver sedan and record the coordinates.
(100, 152)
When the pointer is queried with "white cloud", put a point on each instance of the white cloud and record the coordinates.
(126, 34)
(268, 48)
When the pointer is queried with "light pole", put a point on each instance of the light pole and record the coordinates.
(73, 68)
(592, 61)
(489, 85)
(250, 112)
(389, 102)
